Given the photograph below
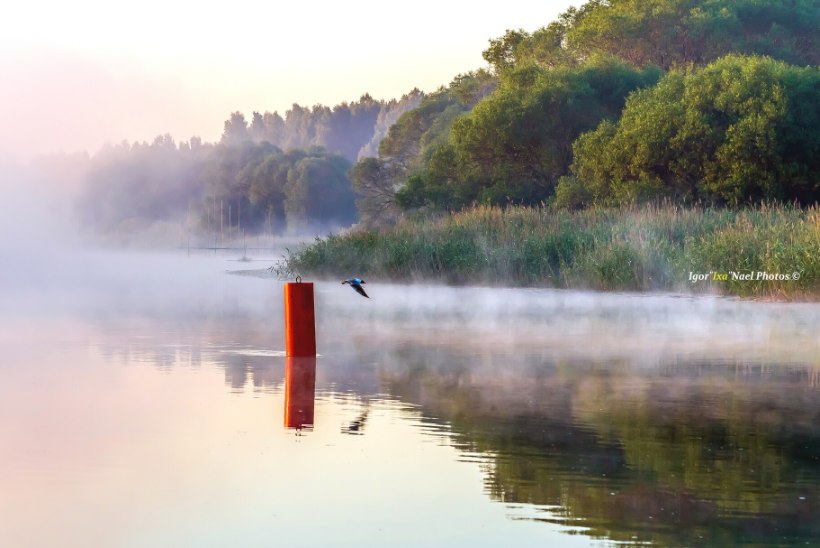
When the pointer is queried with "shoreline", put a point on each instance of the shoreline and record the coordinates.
(765, 253)
(807, 298)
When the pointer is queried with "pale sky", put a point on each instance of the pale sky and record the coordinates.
(75, 75)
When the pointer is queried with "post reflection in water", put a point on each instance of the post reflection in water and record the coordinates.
(300, 391)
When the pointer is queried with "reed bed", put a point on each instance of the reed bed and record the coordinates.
(634, 249)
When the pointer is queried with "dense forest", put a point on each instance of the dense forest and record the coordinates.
(626, 101)
(616, 102)
(272, 175)
(225, 188)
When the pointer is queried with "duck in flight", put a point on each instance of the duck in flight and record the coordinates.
(356, 284)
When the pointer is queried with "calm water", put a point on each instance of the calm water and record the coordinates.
(146, 401)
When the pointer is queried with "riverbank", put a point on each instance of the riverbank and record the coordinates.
(765, 252)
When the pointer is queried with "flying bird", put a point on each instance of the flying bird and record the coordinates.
(356, 283)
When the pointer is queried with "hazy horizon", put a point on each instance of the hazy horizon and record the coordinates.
(82, 75)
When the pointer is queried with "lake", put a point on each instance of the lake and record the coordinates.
(146, 401)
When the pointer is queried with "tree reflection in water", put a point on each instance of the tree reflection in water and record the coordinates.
(683, 453)
(675, 447)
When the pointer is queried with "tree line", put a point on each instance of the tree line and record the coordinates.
(226, 187)
(615, 102)
(272, 175)
(351, 130)
(618, 101)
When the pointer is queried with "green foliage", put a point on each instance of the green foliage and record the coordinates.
(667, 33)
(416, 138)
(403, 144)
(268, 190)
(546, 47)
(684, 141)
(616, 249)
(373, 180)
(740, 129)
(318, 193)
(243, 186)
(388, 116)
(516, 143)
(411, 139)
(504, 53)
(757, 241)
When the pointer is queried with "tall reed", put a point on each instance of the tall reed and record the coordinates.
(635, 248)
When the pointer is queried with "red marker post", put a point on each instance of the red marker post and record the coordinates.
(300, 321)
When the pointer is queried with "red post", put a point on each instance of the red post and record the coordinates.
(300, 389)
(300, 322)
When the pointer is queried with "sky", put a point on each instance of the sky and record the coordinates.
(78, 74)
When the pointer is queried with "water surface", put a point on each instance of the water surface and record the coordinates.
(146, 401)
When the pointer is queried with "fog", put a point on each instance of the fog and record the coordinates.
(37, 224)
(50, 271)
(585, 324)
(105, 288)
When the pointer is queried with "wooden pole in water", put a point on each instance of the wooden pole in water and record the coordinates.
(300, 321)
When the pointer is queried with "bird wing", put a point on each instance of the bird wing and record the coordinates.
(359, 289)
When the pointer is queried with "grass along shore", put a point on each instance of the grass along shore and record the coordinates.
(738, 252)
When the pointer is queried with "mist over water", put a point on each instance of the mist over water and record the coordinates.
(638, 327)
(55, 278)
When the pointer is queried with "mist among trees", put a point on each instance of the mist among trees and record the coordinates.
(272, 175)
(226, 188)
(351, 130)
(615, 102)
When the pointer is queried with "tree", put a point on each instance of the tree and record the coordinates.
(236, 129)
(266, 191)
(505, 53)
(344, 129)
(666, 33)
(411, 139)
(375, 186)
(318, 194)
(517, 142)
(740, 129)
(389, 114)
